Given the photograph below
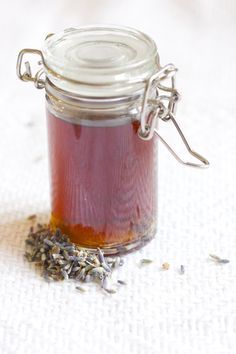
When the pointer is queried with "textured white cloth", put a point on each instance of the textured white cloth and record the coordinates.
(157, 312)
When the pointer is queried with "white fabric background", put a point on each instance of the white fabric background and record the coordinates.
(158, 312)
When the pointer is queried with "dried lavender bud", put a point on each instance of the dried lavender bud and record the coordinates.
(81, 274)
(65, 275)
(213, 256)
(29, 242)
(104, 283)
(98, 272)
(87, 278)
(182, 269)
(43, 257)
(224, 261)
(67, 266)
(218, 259)
(121, 262)
(146, 261)
(106, 267)
(32, 217)
(117, 262)
(110, 291)
(101, 256)
(122, 282)
(75, 269)
(80, 288)
(48, 242)
(66, 255)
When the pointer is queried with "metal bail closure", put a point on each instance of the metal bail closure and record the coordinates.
(205, 162)
(159, 109)
(27, 74)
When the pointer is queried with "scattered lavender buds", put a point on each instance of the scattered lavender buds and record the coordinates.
(218, 259)
(63, 260)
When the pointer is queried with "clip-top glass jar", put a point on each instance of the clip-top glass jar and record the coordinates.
(104, 95)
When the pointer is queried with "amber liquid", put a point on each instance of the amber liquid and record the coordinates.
(103, 183)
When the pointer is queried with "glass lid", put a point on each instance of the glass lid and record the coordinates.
(100, 61)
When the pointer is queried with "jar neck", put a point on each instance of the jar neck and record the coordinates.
(74, 108)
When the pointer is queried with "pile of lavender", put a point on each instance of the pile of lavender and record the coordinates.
(62, 259)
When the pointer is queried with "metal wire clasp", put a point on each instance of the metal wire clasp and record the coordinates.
(164, 107)
(27, 74)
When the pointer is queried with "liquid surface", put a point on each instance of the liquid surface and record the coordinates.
(103, 183)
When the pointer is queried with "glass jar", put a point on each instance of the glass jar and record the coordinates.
(104, 95)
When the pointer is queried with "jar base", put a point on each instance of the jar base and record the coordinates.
(108, 248)
(117, 250)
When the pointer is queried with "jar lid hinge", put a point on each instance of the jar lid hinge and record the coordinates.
(27, 74)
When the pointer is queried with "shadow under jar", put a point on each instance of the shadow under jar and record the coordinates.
(103, 99)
